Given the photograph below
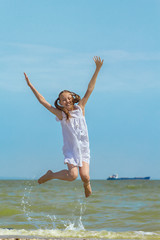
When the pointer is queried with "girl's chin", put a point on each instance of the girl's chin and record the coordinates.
(69, 107)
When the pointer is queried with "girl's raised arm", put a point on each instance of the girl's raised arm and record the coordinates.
(42, 100)
(92, 82)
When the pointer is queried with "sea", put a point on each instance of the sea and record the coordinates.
(127, 209)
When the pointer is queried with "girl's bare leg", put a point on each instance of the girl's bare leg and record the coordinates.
(66, 175)
(84, 173)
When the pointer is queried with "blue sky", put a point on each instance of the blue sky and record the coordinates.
(54, 42)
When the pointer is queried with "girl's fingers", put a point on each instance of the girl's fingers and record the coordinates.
(27, 80)
(25, 76)
(95, 58)
(98, 61)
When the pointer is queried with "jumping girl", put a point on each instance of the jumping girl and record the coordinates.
(75, 134)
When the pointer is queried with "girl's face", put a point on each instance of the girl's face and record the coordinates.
(66, 100)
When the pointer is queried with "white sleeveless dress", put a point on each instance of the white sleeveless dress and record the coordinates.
(75, 138)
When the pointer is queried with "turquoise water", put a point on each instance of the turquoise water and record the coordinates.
(116, 210)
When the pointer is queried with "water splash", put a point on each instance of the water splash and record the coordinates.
(26, 202)
(53, 221)
(76, 223)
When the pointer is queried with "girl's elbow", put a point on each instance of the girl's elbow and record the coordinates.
(41, 101)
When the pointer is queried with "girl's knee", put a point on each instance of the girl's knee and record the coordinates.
(85, 178)
(73, 172)
(73, 175)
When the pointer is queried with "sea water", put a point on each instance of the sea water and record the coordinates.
(116, 209)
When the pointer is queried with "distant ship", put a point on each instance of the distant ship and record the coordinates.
(115, 177)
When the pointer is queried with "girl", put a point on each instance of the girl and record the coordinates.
(75, 134)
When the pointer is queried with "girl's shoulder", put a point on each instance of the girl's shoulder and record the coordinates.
(60, 116)
(78, 108)
(81, 108)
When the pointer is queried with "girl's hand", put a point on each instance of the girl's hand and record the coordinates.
(27, 80)
(98, 62)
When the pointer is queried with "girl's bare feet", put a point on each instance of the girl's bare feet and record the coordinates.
(87, 189)
(46, 177)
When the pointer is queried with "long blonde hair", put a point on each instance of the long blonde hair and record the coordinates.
(75, 99)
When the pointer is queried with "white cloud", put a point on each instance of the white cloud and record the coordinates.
(56, 68)
(120, 55)
(39, 48)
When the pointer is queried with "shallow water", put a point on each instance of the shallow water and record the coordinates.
(116, 210)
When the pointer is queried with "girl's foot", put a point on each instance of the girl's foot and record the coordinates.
(46, 177)
(87, 189)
